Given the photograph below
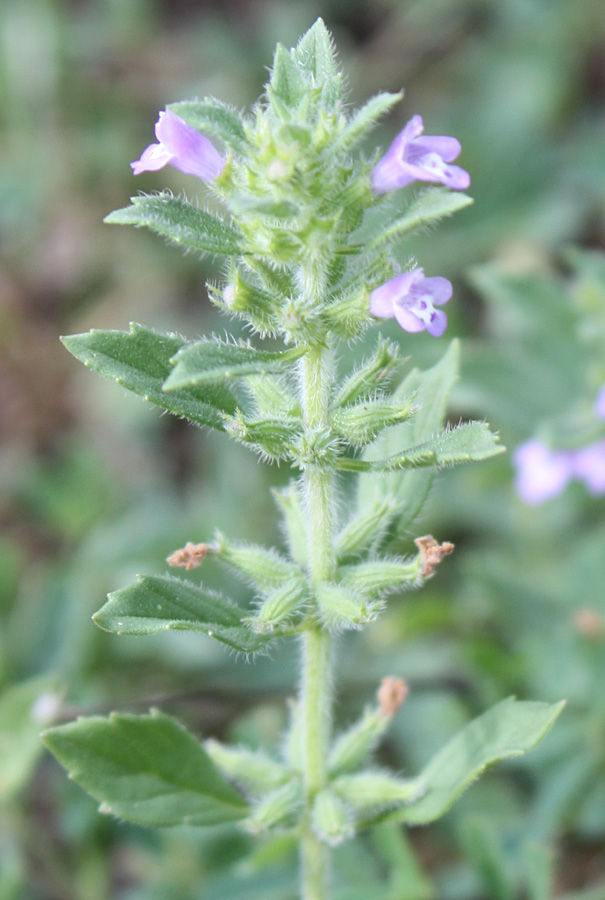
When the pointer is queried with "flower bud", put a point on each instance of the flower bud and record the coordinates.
(354, 746)
(272, 437)
(264, 569)
(381, 576)
(370, 375)
(375, 788)
(361, 422)
(340, 607)
(290, 503)
(277, 808)
(331, 821)
(279, 605)
(366, 529)
(254, 771)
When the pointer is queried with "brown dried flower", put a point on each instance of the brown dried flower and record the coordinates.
(190, 556)
(390, 695)
(432, 552)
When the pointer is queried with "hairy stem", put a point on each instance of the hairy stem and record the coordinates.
(316, 700)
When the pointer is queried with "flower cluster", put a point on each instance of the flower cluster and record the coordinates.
(543, 473)
(410, 298)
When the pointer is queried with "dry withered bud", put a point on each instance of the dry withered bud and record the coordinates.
(190, 556)
(390, 695)
(432, 552)
(589, 622)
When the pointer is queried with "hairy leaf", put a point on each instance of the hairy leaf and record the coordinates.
(509, 729)
(431, 389)
(315, 56)
(181, 222)
(212, 360)
(364, 119)
(163, 603)
(145, 769)
(430, 206)
(139, 360)
(470, 442)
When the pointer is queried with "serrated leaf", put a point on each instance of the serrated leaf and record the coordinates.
(364, 119)
(315, 56)
(158, 603)
(181, 222)
(139, 360)
(430, 206)
(431, 388)
(212, 360)
(216, 118)
(509, 729)
(145, 769)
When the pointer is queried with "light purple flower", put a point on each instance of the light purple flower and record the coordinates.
(541, 473)
(181, 146)
(589, 467)
(411, 299)
(414, 158)
(599, 406)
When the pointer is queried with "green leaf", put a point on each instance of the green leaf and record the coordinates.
(471, 442)
(431, 389)
(139, 360)
(428, 207)
(364, 119)
(286, 82)
(24, 709)
(181, 222)
(212, 116)
(145, 769)
(315, 56)
(163, 603)
(212, 360)
(508, 730)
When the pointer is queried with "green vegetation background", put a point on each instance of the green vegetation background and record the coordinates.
(95, 486)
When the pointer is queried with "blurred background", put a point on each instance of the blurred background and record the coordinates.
(95, 486)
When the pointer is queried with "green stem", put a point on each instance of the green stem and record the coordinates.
(316, 700)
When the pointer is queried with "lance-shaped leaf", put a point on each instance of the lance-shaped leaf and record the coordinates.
(145, 769)
(410, 488)
(429, 207)
(163, 603)
(509, 729)
(181, 222)
(364, 119)
(213, 117)
(470, 442)
(315, 55)
(212, 360)
(139, 360)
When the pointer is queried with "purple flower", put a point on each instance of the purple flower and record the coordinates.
(414, 158)
(411, 299)
(599, 406)
(541, 473)
(589, 467)
(181, 146)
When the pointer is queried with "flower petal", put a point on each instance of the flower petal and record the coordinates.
(383, 298)
(541, 473)
(406, 318)
(448, 148)
(440, 289)
(152, 158)
(437, 324)
(190, 151)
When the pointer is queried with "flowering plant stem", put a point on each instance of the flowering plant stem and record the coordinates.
(315, 384)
